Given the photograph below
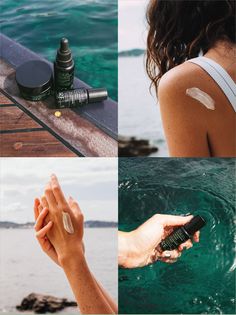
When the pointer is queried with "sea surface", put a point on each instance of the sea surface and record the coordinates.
(90, 26)
(24, 268)
(203, 279)
(139, 113)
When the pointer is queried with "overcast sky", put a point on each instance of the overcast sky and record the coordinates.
(132, 24)
(91, 181)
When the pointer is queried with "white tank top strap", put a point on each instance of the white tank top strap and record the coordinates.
(220, 76)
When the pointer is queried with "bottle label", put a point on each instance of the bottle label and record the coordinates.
(64, 80)
(72, 98)
(174, 240)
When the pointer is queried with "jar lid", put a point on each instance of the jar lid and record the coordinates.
(34, 77)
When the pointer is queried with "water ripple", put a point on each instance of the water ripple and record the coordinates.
(91, 27)
(203, 279)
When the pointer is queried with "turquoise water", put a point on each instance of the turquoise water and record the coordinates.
(90, 26)
(202, 281)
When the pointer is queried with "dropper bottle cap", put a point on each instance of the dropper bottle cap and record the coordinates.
(64, 56)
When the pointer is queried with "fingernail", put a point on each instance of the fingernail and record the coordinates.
(167, 254)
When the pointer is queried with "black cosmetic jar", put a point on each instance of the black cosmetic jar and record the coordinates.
(35, 80)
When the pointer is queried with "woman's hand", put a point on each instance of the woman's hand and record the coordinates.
(65, 244)
(41, 230)
(65, 247)
(140, 247)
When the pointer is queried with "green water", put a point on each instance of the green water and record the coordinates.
(91, 27)
(202, 281)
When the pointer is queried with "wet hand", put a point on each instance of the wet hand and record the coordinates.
(142, 244)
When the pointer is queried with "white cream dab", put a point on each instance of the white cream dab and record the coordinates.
(67, 223)
(202, 97)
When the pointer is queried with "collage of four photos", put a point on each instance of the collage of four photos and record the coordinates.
(117, 157)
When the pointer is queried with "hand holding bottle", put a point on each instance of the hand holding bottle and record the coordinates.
(141, 246)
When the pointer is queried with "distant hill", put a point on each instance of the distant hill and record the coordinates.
(13, 225)
(30, 225)
(102, 224)
(131, 53)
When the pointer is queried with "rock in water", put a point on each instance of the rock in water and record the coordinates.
(42, 304)
(129, 147)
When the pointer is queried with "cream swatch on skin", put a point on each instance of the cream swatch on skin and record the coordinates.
(202, 97)
(67, 223)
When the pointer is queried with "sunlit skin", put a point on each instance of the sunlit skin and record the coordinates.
(191, 129)
(67, 250)
(140, 247)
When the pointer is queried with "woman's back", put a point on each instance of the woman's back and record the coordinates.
(191, 127)
(198, 118)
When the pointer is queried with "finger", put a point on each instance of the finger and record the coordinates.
(168, 256)
(174, 220)
(41, 217)
(36, 210)
(50, 196)
(169, 261)
(45, 244)
(74, 205)
(186, 245)
(196, 237)
(174, 254)
(40, 208)
(44, 202)
(42, 233)
(57, 191)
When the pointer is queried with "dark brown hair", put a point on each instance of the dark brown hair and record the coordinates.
(181, 29)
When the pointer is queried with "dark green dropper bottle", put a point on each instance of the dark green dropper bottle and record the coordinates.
(64, 67)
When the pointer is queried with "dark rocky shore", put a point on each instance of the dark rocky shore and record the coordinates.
(42, 304)
(131, 147)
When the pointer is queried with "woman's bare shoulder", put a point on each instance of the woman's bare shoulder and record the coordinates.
(182, 115)
(180, 78)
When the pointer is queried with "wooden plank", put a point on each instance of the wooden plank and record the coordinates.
(78, 132)
(4, 99)
(13, 118)
(32, 144)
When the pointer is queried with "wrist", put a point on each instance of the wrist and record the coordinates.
(126, 250)
(71, 256)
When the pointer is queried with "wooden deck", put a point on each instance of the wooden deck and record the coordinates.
(21, 136)
(31, 128)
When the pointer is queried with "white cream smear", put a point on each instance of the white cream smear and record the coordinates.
(202, 97)
(67, 223)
